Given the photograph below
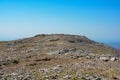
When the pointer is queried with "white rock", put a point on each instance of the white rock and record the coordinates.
(14, 74)
(67, 76)
(104, 58)
(44, 70)
(58, 67)
(113, 59)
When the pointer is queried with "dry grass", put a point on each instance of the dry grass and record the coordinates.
(35, 58)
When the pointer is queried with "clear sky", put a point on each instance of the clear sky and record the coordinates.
(97, 19)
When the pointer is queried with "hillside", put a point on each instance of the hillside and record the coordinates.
(58, 57)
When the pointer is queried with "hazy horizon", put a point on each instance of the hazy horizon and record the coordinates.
(98, 20)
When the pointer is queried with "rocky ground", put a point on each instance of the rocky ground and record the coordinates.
(58, 57)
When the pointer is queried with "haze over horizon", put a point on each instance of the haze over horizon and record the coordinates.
(97, 19)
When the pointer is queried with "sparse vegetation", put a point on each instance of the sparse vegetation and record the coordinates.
(58, 57)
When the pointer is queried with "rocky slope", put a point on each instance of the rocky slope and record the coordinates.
(58, 57)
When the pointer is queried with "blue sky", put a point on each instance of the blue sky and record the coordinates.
(97, 19)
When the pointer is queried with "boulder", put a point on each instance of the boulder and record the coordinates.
(104, 58)
(113, 58)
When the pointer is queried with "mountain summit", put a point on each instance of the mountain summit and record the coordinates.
(58, 57)
(51, 43)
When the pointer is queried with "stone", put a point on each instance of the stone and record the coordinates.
(63, 51)
(12, 74)
(114, 59)
(72, 49)
(1, 72)
(27, 77)
(46, 59)
(54, 77)
(44, 70)
(91, 77)
(53, 39)
(68, 76)
(57, 68)
(75, 56)
(53, 53)
(104, 58)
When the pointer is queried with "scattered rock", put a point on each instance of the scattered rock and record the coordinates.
(72, 49)
(62, 51)
(104, 58)
(57, 68)
(54, 39)
(70, 58)
(12, 74)
(46, 59)
(77, 55)
(33, 64)
(91, 78)
(54, 77)
(1, 72)
(15, 61)
(114, 59)
(44, 70)
(28, 77)
(68, 76)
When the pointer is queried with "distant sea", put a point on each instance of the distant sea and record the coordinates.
(114, 45)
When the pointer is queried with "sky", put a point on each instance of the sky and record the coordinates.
(97, 19)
